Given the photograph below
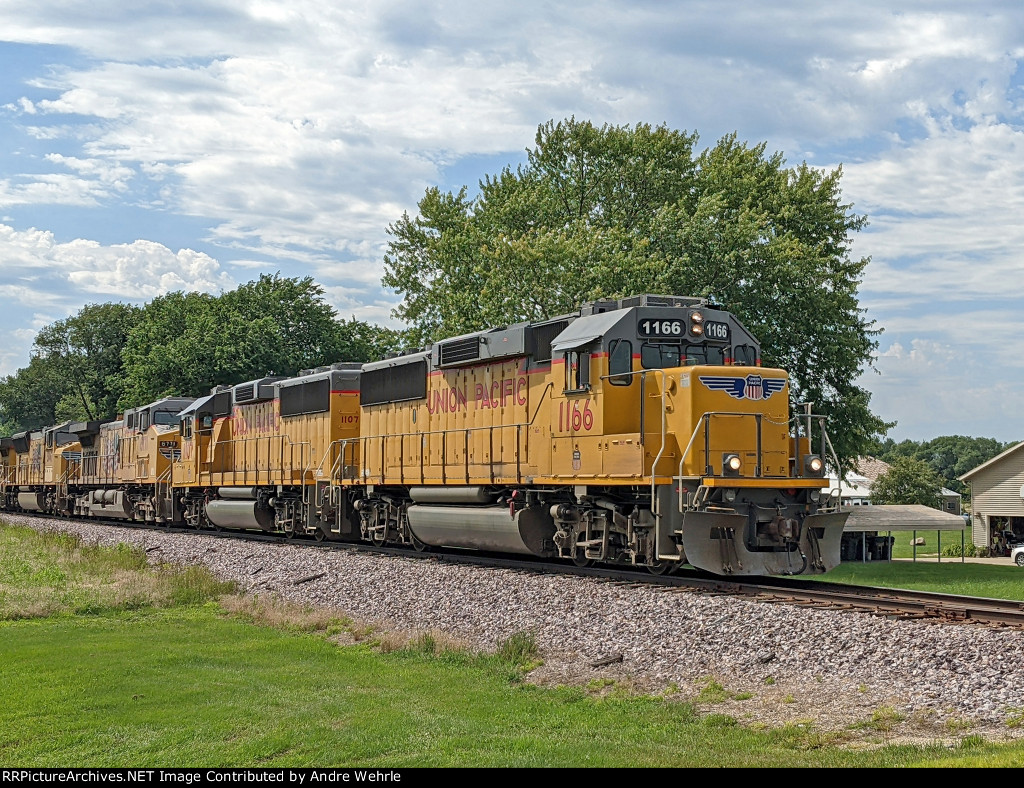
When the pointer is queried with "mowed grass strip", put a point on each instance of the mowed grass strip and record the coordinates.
(45, 574)
(948, 576)
(165, 676)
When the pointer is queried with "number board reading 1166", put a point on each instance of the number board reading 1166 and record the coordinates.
(669, 329)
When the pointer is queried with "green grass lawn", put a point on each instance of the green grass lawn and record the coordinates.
(931, 571)
(104, 662)
(948, 577)
(903, 546)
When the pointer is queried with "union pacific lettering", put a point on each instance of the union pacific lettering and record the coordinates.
(260, 419)
(447, 400)
(501, 392)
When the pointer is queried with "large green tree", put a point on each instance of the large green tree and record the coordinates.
(908, 481)
(86, 348)
(615, 211)
(186, 343)
(75, 372)
(950, 456)
(30, 398)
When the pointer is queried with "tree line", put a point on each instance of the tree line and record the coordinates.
(920, 469)
(595, 212)
(112, 356)
(614, 211)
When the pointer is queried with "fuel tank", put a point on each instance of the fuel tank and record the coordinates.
(31, 501)
(241, 515)
(491, 528)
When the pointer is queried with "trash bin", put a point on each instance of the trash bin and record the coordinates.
(882, 548)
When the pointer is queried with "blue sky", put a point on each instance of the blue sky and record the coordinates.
(193, 145)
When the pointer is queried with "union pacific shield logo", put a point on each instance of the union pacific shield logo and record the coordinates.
(752, 387)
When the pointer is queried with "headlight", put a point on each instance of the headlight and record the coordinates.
(814, 495)
(729, 495)
(813, 465)
(731, 464)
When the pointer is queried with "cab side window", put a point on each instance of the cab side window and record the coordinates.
(620, 362)
(577, 371)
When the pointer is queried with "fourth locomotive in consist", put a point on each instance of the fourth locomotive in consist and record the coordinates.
(639, 431)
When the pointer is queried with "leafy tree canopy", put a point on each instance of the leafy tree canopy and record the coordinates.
(29, 399)
(616, 211)
(186, 343)
(76, 370)
(908, 481)
(950, 456)
(112, 356)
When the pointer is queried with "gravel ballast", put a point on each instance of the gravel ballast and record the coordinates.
(877, 679)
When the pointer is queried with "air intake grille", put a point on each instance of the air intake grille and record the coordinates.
(459, 351)
(245, 393)
(542, 336)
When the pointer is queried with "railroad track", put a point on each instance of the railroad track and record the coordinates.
(889, 602)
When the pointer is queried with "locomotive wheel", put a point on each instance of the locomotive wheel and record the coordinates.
(662, 568)
(319, 535)
(580, 559)
(417, 545)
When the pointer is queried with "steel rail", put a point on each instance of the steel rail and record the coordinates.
(896, 603)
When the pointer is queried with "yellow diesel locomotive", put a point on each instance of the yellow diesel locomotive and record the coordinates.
(638, 431)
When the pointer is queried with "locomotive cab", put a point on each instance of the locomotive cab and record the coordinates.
(669, 391)
(127, 463)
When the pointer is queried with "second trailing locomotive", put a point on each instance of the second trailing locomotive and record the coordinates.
(636, 431)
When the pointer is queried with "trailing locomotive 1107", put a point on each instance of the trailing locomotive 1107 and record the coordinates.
(638, 431)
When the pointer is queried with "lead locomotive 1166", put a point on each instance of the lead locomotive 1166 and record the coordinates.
(638, 431)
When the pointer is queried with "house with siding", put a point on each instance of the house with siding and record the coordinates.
(997, 499)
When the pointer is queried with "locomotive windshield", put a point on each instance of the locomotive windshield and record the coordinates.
(664, 356)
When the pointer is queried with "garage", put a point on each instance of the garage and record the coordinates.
(997, 501)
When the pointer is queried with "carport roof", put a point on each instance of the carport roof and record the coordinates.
(909, 517)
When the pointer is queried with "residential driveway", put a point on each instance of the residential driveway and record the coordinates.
(1003, 560)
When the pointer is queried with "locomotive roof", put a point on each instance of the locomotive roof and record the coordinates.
(397, 361)
(584, 330)
(195, 405)
(340, 375)
(86, 427)
(166, 403)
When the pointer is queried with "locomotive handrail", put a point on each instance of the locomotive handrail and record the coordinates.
(704, 423)
(284, 443)
(518, 426)
(165, 478)
(661, 449)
